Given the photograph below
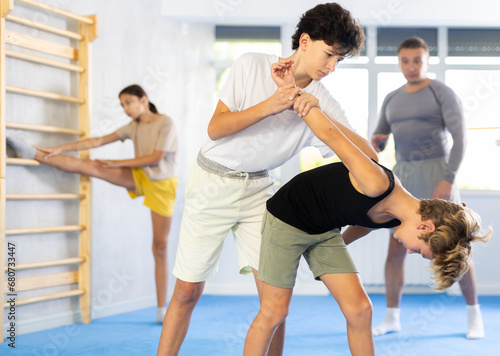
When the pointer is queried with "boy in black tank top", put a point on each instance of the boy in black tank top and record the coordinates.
(304, 218)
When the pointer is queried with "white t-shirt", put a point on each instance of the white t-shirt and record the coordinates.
(160, 135)
(274, 140)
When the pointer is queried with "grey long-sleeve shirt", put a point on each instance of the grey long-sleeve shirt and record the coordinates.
(419, 122)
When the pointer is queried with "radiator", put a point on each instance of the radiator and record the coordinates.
(369, 254)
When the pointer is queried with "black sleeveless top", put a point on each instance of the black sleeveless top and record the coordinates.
(323, 199)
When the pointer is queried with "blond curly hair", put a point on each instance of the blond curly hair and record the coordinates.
(451, 242)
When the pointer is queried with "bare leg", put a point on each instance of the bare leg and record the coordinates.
(274, 304)
(468, 286)
(349, 293)
(394, 282)
(395, 272)
(175, 326)
(278, 340)
(475, 319)
(161, 228)
(119, 176)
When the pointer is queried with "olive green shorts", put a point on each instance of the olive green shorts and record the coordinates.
(282, 246)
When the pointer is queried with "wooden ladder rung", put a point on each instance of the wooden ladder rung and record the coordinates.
(46, 61)
(65, 261)
(43, 128)
(54, 196)
(38, 230)
(44, 94)
(22, 162)
(57, 11)
(43, 281)
(71, 293)
(44, 27)
(40, 45)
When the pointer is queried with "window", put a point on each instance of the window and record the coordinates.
(349, 86)
(389, 38)
(472, 71)
(473, 42)
(479, 91)
(231, 42)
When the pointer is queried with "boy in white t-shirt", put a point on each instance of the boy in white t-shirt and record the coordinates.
(256, 126)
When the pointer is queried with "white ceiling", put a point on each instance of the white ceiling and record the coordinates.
(369, 12)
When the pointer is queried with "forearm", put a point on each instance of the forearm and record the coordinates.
(228, 123)
(353, 233)
(454, 122)
(88, 143)
(456, 157)
(84, 144)
(150, 160)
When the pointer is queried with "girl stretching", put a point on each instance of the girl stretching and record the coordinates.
(151, 173)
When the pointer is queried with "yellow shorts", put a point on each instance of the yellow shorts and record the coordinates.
(159, 195)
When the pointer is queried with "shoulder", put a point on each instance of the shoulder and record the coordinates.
(165, 118)
(126, 131)
(381, 184)
(440, 87)
(252, 58)
(165, 121)
(249, 65)
(442, 91)
(436, 84)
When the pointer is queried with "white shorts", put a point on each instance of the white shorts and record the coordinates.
(218, 200)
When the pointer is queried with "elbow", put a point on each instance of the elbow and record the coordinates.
(212, 133)
(156, 158)
(152, 163)
(370, 152)
(373, 155)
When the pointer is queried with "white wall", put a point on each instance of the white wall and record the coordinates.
(170, 56)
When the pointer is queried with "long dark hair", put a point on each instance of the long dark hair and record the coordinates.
(136, 90)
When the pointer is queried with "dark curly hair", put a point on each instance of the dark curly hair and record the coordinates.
(334, 25)
(451, 242)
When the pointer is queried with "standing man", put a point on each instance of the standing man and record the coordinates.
(419, 115)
